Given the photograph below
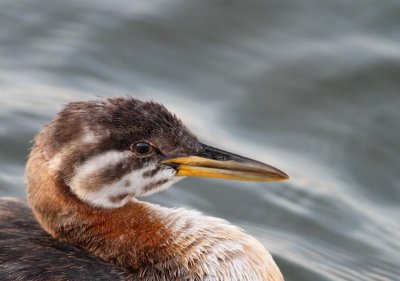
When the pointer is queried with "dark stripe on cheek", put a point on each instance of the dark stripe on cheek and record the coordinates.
(151, 173)
(110, 174)
(118, 198)
(153, 185)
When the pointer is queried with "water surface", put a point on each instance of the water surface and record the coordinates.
(309, 86)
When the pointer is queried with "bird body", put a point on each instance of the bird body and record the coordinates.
(90, 164)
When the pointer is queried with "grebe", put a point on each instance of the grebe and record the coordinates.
(83, 176)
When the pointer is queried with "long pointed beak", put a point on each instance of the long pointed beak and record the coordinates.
(215, 163)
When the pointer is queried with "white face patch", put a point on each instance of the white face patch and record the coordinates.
(96, 163)
(114, 194)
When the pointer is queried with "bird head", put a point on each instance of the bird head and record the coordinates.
(112, 150)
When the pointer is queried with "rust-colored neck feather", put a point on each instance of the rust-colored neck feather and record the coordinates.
(155, 243)
(107, 233)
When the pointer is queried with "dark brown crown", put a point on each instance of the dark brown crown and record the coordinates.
(115, 124)
(127, 120)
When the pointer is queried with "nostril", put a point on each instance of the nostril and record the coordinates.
(220, 157)
(217, 156)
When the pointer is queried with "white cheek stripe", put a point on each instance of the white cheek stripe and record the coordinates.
(101, 197)
(137, 183)
(96, 163)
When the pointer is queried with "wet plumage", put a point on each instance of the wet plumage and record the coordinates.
(27, 252)
(84, 174)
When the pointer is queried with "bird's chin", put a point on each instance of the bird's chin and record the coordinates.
(161, 186)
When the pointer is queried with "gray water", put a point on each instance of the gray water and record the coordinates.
(309, 86)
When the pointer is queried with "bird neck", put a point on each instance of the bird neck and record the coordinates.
(128, 236)
(154, 242)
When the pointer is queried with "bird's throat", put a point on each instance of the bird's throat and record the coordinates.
(126, 236)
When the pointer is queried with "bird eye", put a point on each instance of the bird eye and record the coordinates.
(142, 148)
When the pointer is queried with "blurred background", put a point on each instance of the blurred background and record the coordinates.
(310, 86)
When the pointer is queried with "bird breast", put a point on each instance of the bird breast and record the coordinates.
(214, 249)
